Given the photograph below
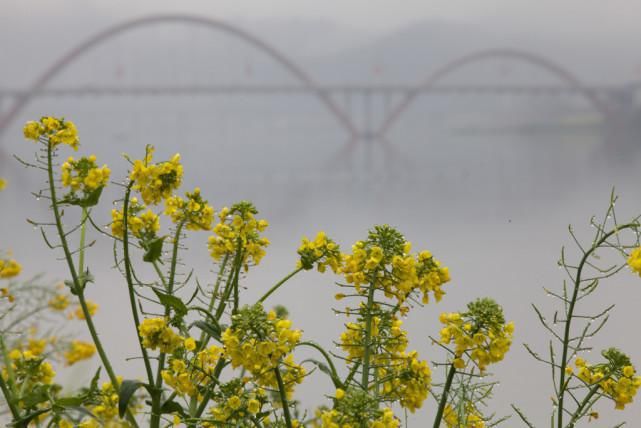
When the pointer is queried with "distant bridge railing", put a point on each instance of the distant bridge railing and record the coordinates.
(305, 84)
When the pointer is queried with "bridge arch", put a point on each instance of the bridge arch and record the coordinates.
(513, 54)
(214, 24)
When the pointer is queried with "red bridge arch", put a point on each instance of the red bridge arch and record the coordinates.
(214, 24)
(512, 54)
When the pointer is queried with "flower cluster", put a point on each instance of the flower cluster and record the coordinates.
(238, 232)
(9, 268)
(260, 343)
(106, 410)
(59, 302)
(140, 223)
(468, 417)
(355, 408)
(78, 313)
(321, 252)
(386, 337)
(235, 403)
(634, 261)
(3, 184)
(194, 211)
(78, 351)
(156, 182)
(384, 261)
(56, 130)
(187, 377)
(405, 378)
(156, 334)
(29, 369)
(616, 378)
(84, 175)
(481, 333)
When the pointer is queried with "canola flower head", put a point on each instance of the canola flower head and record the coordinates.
(157, 334)
(194, 211)
(468, 417)
(387, 337)
(385, 262)
(3, 184)
(320, 252)
(235, 402)
(616, 377)
(78, 313)
(634, 261)
(78, 351)
(59, 302)
(409, 379)
(9, 268)
(190, 379)
(105, 410)
(238, 231)
(480, 333)
(85, 179)
(156, 181)
(141, 224)
(56, 131)
(30, 369)
(259, 342)
(356, 408)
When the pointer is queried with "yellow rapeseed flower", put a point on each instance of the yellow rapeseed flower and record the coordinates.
(634, 261)
(9, 268)
(79, 351)
(55, 130)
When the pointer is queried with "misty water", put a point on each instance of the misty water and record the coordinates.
(489, 191)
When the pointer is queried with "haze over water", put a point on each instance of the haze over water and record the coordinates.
(488, 183)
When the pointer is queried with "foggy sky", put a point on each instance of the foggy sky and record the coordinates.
(493, 205)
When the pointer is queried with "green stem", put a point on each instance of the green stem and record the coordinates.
(579, 411)
(156, 398)
(130, 283)
(206, 397)
(74, 276)
(283, 397)
(235, 281)
(232, 281)
(8, 367)
(160, 274)
(446, 389)
(204, 337)
(83, 232)
(570, 314)
(77, 288)
(8, 397)
(368, 338)
(277, 286)
(324, 353)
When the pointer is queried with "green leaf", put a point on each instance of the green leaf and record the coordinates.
(325, 369)
(92, 198)
(85, 278)
(70, 401)
(153, 249)
(38, 394)
(23, 422)
(127, 389)
(93, 386)
(213, 330)
(170, 406)
(72, 287)
(173, 302)
(89, 200)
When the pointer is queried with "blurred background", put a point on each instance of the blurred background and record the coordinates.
(479, 129)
